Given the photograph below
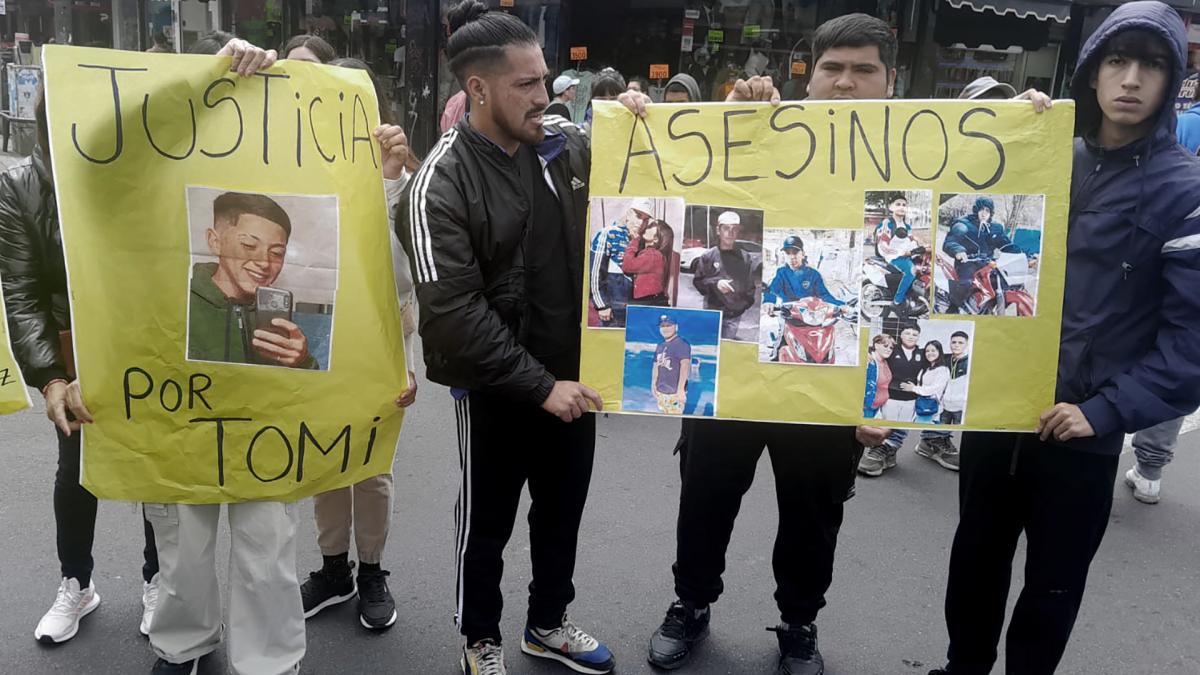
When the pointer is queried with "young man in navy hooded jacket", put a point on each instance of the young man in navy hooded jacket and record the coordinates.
(1129, 357)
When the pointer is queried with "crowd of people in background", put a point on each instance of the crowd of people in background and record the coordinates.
(1055, 485)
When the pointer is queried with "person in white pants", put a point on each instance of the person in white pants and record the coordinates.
(266, 619)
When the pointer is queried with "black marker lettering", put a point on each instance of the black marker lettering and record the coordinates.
(729, 145)
(250, 454)
(885, 171)
(162, 395)
(116, 93)
(370, 442)
(354, 137)
(267, 109)
(708, 151)
(312, 127)
(812, 139)
(129, 395)
(220, 440)
(630, 154)
(150, 136)
(212, 105)
(962, 129)
(195, 392)
(945, 145)
(306, 435)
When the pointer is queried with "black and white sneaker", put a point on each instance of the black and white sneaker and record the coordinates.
(376, 608)
(162, 667)
(328, 586)
(798, 653)
(684, 626)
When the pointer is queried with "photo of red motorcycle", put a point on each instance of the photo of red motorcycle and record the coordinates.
(808, 330)
(997, 287)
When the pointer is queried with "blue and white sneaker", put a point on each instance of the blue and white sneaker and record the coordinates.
(569, 646)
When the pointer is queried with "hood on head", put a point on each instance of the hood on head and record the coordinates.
(687, 82)
(1150, 15)
(982, 203)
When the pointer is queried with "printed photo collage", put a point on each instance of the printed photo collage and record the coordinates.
(679, 279)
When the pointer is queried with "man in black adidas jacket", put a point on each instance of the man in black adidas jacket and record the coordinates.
(493, 223)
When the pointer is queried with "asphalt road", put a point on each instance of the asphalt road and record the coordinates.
(1140, 616)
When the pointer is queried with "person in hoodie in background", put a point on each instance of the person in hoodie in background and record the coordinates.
(1128, 356)
(682, 89)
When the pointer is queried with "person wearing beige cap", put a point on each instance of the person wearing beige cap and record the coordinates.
(987, 87)
(725, 275)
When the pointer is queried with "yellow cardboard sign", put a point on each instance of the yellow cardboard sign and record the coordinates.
(752, 262)
(14, 397)
(237, 331)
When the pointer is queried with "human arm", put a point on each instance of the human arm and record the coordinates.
(932, 384)
(461, 332)
(25, 264)
(706, 277)
(1162, 384)
(599, 260)
(871, 436)
(289, 350)
(685, 367)
(639, 260)
(822, 292)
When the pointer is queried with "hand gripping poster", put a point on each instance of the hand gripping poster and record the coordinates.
(897, 263)
(236, 326)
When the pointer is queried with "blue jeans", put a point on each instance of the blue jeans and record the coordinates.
(898, 436)
(616, 289)
(905, 265)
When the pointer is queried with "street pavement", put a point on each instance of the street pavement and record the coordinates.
(1141, 615)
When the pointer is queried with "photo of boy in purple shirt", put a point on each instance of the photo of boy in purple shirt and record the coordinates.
(672, 361)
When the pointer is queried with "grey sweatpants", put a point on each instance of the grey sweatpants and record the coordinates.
(266, 618)
(1155, 447)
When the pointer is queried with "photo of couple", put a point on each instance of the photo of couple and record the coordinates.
(918, 371)
(634, 256)
(989, 247)
(809, 299)
(896, 268)
(671, 359)
(263, 278)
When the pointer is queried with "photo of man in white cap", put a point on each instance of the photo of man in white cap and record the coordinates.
(727, 275)
(611, 289)
(564, 88)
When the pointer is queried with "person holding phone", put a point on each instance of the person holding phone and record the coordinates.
(249, 237)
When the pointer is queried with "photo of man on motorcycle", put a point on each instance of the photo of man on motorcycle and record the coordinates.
(896, 271)
(806, 311)
(981, 268)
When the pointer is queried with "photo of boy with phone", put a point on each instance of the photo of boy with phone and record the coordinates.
(235, 315)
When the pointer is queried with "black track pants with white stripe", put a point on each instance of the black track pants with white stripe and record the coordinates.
(503, 444)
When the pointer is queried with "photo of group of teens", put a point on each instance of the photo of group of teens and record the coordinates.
(679, 279)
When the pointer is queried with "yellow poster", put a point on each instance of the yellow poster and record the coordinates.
(14, 397)
(236, 326)
(895, 263)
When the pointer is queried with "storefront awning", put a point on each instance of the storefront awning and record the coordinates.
(1043, 10)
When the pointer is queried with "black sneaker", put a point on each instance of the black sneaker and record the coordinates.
(327, 587)
(162, 667)
(684, 626)
(940, 671)
(798, 653)
(376, 608)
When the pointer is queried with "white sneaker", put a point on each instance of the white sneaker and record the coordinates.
(1144, 490)
(149, 603)
(72, 604)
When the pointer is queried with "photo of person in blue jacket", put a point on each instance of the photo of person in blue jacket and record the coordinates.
(1129, 358)
(972, 242)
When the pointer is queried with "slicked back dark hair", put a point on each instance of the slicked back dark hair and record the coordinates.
(233, 205)
(479, 36)
(856, 30)
(313, 43)
(211, 43)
